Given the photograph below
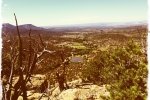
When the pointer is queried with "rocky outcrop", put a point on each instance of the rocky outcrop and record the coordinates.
(81, 91)
(87, 92)
(77, 91)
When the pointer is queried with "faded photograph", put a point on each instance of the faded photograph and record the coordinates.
(74, 49)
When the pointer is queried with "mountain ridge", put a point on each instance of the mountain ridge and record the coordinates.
(77, 27)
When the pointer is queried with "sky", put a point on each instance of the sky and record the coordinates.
(69, 12)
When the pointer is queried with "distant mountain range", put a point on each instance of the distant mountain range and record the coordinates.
(7, 26)
(77, 27)
(106, 24)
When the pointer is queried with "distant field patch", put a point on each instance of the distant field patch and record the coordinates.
(80, 36)
(75, 45)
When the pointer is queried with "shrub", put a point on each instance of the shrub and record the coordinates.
(124, 68)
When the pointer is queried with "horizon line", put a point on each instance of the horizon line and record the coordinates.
(74, 24)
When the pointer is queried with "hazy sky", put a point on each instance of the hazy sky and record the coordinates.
(65, 12)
